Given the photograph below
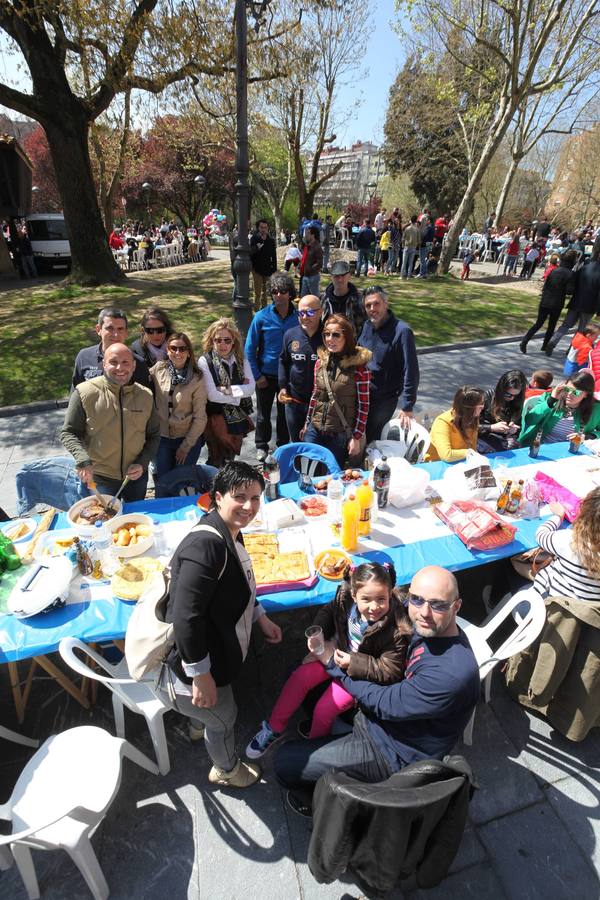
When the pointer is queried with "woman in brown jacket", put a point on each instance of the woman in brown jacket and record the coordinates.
(180, 396)
(369, 629)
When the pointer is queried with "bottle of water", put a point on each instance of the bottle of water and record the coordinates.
(102, 540)
(335, 496)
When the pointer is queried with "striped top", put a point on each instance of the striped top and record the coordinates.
(561, 431)
(356, 628)
(565, 576)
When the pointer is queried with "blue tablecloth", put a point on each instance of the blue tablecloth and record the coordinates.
(100, 620)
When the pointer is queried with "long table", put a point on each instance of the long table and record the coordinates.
(98, 617)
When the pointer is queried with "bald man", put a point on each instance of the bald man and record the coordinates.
(421, 717)
(111, 427)
(297, 363)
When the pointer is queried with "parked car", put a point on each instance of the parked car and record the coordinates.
(50, 241)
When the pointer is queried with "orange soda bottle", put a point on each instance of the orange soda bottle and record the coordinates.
(364, 495)
(350, 520)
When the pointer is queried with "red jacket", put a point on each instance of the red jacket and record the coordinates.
(594, 365)
(440, 227)
(115, 241)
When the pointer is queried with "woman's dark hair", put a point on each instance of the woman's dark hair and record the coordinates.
(356, 577)
(583, 381)
(234, 474)
(465, 400)
(155, 312)
(347, 330)
(503, 410)
(182, 336)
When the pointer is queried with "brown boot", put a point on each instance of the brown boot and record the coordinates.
(243, 775)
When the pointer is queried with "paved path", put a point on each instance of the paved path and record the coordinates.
(534, 827)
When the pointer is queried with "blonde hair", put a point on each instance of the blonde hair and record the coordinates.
(237, 347)
(586, 533)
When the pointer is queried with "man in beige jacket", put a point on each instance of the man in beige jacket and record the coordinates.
(111, 427)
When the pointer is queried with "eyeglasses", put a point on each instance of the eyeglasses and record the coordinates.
(277, 293)
(223, 340)
(332, 334)
(160, 330)
(574, 391)
(308, 313)
(434, 605)
(176, 348)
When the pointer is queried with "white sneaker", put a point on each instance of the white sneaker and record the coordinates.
(261, 455)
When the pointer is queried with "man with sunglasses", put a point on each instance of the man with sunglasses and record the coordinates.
(421, 717)
(111, 328)
(297, 364)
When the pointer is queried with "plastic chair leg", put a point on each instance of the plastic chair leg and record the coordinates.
(468, 732)
(119, 714)
(136, 756)
(24, 861)
(156, 726)
(487, 686)
(6, 859)
(85, 859)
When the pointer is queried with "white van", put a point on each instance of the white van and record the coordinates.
(49, 241)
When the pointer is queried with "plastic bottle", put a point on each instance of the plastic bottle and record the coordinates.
(103, 549)
(364, 495)
(9, 558)
(350, 519)
(381, 482)
(335, 496)
(272, 476)
(504, 498)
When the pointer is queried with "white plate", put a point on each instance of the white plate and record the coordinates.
(8, 526)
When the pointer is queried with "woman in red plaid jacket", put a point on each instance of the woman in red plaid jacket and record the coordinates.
(339, 405)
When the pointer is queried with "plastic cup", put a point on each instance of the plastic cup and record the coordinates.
(315, 640)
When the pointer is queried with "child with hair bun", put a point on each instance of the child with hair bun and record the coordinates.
(369, 630)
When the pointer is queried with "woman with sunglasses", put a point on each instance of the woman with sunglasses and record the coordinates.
(180, 397)
(562, 413)
(152, 345)
(229, 385)
(454, 432)
(500, 421)
(339, 405)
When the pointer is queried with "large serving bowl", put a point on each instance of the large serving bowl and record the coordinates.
(142, 543)
(85, 530)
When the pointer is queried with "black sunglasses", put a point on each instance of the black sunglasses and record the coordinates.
(332, 334)
(160, 330)
(434, 605)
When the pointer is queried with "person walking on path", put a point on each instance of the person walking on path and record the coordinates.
(263, 256)
(557, 285)
(585, 301)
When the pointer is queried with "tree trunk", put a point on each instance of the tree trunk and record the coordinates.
(463, 211)
(92, 259)
(510, 174)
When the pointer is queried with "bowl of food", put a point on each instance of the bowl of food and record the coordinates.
(19, 530)
(84, 514)
(313, 506)
(132, 534)
(332, 564)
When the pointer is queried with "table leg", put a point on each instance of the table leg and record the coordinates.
(119, 644)
(62, 680)
(28, 683)
(13, 674)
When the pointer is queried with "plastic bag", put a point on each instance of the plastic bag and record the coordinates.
(552, 491)
(407, 483)
(472, 480)
(478, 527)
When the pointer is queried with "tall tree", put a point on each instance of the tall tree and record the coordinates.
(533, 46)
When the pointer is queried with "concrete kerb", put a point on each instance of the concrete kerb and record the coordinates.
(48, 405)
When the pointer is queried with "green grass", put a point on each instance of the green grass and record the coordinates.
(42, 328)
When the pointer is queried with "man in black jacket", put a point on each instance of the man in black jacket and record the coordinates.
(420, 717)
(263, 256)
(557, 285)
(111, 329)
(585, 302)
(343, 297)
(297, 364)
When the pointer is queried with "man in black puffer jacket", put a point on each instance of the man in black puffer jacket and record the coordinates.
(586, 299)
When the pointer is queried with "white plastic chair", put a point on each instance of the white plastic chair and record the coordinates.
(410, 443)
(528, 626)
(60, 798)
(136, 696)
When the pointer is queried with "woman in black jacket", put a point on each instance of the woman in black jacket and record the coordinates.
(155, 328)
(500, 421)
(585, 301)
(212, 606)
(557, 285)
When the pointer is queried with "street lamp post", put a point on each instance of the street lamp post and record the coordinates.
(146, 189)
(242, 305)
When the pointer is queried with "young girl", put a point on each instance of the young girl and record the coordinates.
(367, 626)
(580, 349)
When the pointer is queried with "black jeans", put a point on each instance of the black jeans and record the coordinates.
(135, 490)
(300, 764)
(295, 417)
(264, 404)
(572, 316)
(553, 315)
(380, 412)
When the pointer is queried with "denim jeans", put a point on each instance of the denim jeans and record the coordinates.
(310, 285)
(362, 258)
(337, 443)
(423, 253)
(392, 261)
(264, 404)
(135, 490)
(408, 260)
(295, 417)
(52, 480)
(300, 764)
(165, 458)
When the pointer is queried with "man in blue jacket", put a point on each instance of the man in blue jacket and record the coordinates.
(263, 346)
(364, 241)
(420, 717)
(297, 363)
(394, 365)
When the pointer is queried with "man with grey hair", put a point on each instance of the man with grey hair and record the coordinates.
(394, 365)
(111, 427)
(421, 717)
(111, 328)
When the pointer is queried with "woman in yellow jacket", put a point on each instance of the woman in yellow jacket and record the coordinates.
(180, 397)
(454, 432)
